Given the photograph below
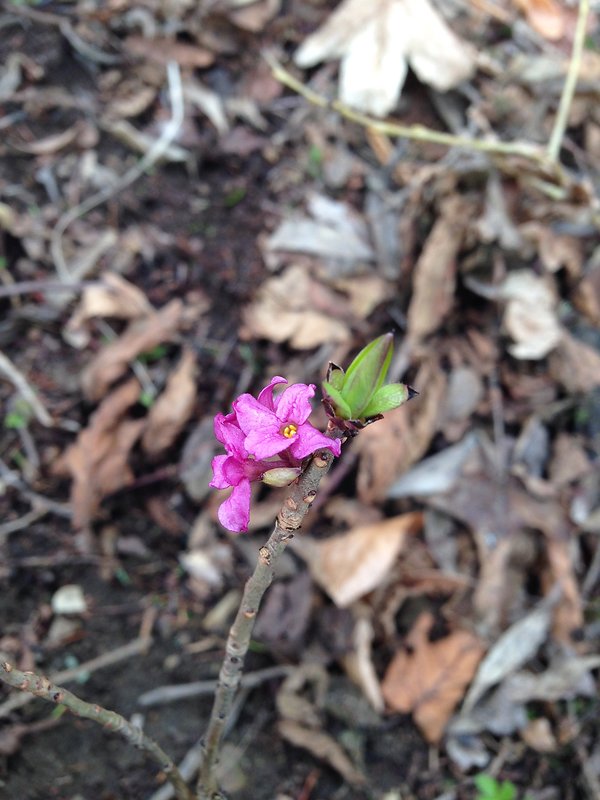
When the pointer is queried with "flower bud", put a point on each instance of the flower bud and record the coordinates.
(281, 476)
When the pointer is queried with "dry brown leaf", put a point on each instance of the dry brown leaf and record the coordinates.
(359, 663)
(389, 447)
(144, 334)
(353, 564)
(431, 678)
(97, 461)
(323, 747)
(254, 16)
(377, 41)
(568, 614)
(586, 296)
(434, 280)
(287, 308)
(173, 408)
(112, 296)
(547, 17)
(163, 50)
(538, 735)
(575, 364)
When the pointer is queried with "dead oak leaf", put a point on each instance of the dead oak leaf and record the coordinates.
(377, 41)
(97, 461)
(430, 678)
(173, 408)
(142, 335)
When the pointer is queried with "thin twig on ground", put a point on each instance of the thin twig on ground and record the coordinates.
(289, 520)
(21, 384)
(568, 92)
(153, 155)
(171, 694)
(40, 686)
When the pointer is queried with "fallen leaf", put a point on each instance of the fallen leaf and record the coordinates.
(538, 735)
(562, 681)
(430, 678)
(323, 747)
(97, 461)
(114, 359)
(162, 50)
(359, 663)
(547, 17)
(434, 277)
(173, 408)
(517, 645)
(390, 446)
(530, 316)
(254, 16)
(285, 309)
(575, 364)
(352, 564)
(377, 41)
(112, 296)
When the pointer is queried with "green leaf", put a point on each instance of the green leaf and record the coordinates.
(367, 373)
(487, 786)
(341, 406)
(336, 378)
(385, 399)
(507, 791)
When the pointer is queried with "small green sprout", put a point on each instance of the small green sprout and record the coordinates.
(489, 788)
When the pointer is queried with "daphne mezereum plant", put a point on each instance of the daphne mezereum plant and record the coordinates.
(266, 438)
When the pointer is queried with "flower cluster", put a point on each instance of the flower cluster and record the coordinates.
(265, 438)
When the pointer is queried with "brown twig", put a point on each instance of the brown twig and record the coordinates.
(289, 520)
(128, 650)
(41, 686)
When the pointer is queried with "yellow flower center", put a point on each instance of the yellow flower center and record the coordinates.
(289, 430)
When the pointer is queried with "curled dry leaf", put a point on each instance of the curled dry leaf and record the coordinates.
(112, 296)
(377, 41)
(575, 364)
(353, 564)
(163, 50)
(286, 309)
(515, 647)
(390, 446)
(430, 678)
(547, 17)
(97, 461)
(173, 408)
(323, 747)
(144, 334)
(434, 280)
(530, 317)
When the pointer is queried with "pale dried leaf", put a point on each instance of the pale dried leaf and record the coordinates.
(359, 664)
(352, 564)
(516, 646)
(254, 16)
(538, 735)
(323, 747)
(287, 308)
(530, 315)
(431, 678)
(547, 17)
(97, 461)
(390, 446)
(173, 408)
(112, 296)
(163, 50)
(561, 681)
(114, 359)
(377, 40)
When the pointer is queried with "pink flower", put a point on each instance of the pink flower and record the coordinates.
(274, 424)
(256, 431)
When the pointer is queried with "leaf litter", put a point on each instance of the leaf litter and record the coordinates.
(461, 586)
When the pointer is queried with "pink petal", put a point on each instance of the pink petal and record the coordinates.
(294, 404)
(309, 440)
(253, 416)
(219, 480)
(234, 513)
(266, 443)
(266, 395)
(229, 433)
